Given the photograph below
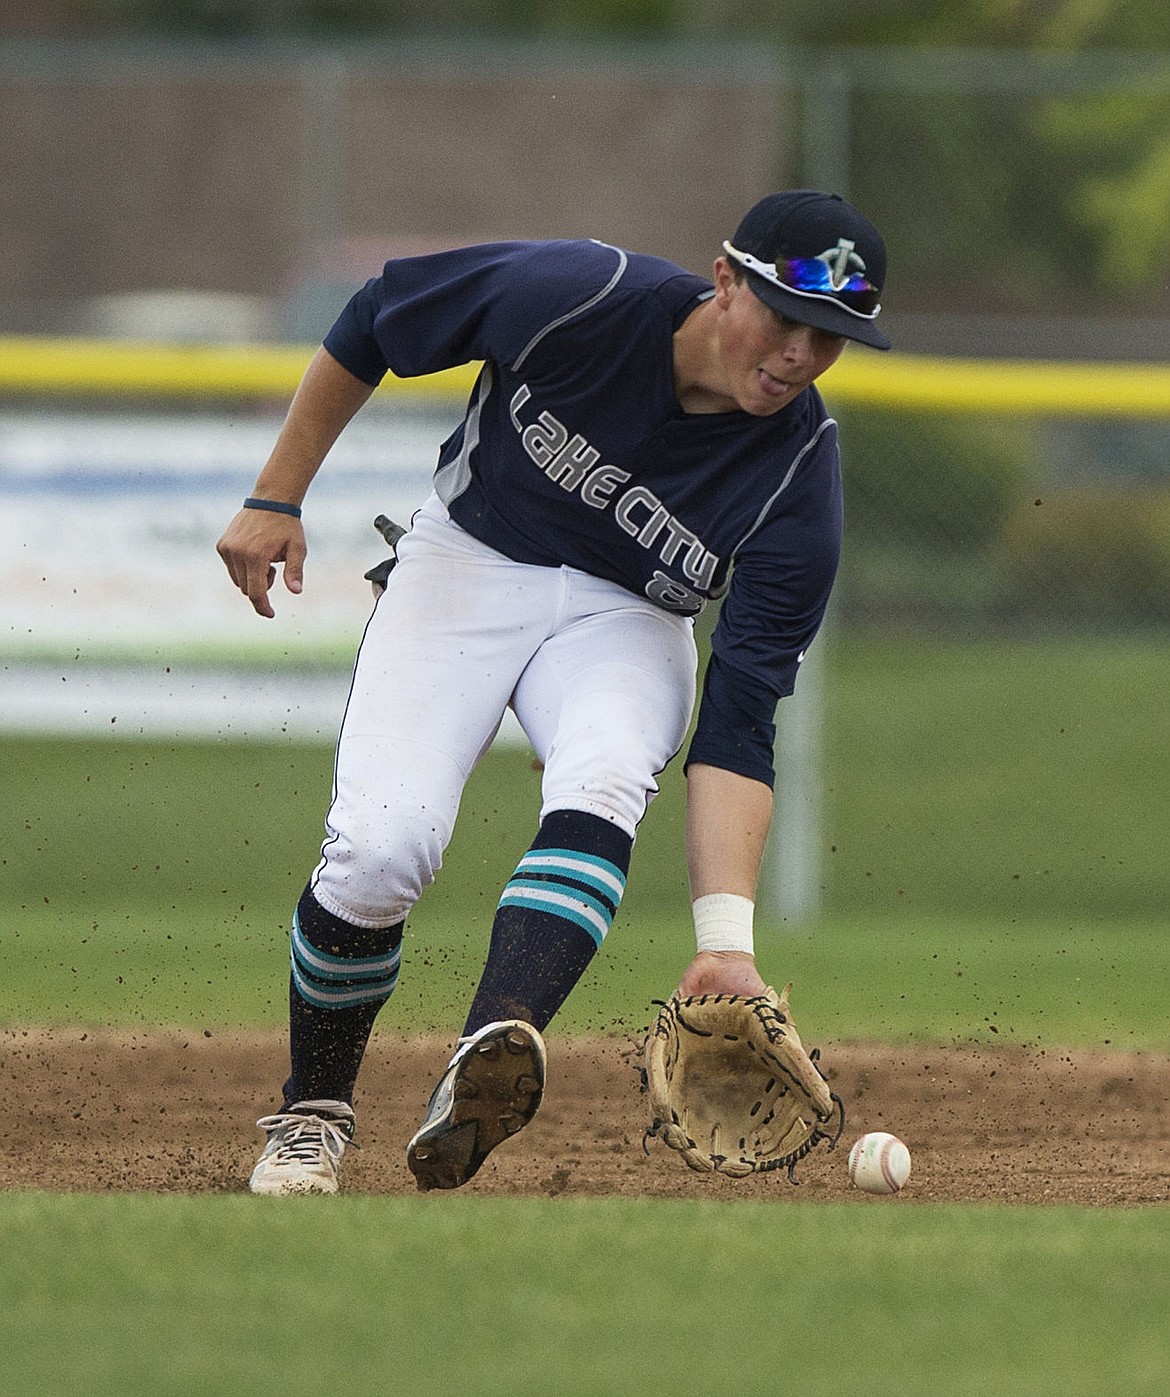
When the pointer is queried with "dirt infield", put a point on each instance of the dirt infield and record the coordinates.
(174, 1112)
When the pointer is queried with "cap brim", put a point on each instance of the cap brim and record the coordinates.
(820, 314)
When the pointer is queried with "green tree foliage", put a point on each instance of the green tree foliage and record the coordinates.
(1119, 142)
(1074, 25)
(1088, 24)
(1040, 197)
(978, 210)
(355, 18)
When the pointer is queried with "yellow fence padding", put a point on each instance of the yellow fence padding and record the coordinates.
(35, 366)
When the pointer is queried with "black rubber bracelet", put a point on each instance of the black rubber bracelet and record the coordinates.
(275, 506)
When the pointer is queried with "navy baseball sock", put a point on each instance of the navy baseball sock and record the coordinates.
(552, 919)
(341, 976)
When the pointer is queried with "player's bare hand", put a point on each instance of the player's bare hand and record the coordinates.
(721, 972)
(252, 545)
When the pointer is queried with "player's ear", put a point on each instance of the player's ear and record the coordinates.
(726, 278)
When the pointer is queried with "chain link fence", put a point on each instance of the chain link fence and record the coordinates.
(1018, 524)
(1019, 194)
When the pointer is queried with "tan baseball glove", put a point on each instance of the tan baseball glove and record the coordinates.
(732, 1088)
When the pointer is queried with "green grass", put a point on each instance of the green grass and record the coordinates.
(1021, 779)
(140, 1295)
(969, 778)
(996, 872)
(995, 854)
(893, 979)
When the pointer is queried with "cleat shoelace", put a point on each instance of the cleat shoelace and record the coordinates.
(301, 1138)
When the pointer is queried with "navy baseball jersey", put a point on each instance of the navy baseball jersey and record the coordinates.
(574, 451)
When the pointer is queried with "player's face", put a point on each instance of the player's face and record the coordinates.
(767, 359)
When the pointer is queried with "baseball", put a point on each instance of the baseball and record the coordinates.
(879, 1163)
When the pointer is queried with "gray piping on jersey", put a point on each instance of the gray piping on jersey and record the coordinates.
(452, 479)
(581, 309)
(800, 455)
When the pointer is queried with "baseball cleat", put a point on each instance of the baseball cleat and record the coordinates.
(304, 1149)
(490, 1092)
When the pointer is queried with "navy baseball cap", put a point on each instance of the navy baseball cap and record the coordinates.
(815, 259)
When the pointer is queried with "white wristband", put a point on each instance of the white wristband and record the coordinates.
(723, 922)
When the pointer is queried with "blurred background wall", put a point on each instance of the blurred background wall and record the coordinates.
(271, 150)
(281, 172)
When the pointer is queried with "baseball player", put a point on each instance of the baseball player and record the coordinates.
(640, 441)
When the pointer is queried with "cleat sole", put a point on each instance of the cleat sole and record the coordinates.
(497, 1090)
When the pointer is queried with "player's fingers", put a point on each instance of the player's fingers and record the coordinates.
(252, 546)
(239, 553)
(257, 583)
(251, 573)
(230, 561)
(294, 564)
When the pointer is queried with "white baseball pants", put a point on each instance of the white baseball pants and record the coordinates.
(602, 682)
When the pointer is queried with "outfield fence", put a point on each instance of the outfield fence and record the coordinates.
(45, 366)
(1010, 493)
(983, 497)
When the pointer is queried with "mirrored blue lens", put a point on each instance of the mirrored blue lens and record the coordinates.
(813, 274)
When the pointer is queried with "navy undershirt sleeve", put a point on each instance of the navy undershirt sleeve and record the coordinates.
(736, 730)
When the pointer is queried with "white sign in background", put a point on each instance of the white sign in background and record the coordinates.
(108, 528)
(116, 614)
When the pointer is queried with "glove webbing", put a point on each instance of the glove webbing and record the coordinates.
(830, 1130)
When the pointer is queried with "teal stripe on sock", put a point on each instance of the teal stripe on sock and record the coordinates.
(322, 998)
(338, 982)
(583, 868)
(569, 904)
(323, 966)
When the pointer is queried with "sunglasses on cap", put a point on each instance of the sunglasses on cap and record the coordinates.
(825, 277)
